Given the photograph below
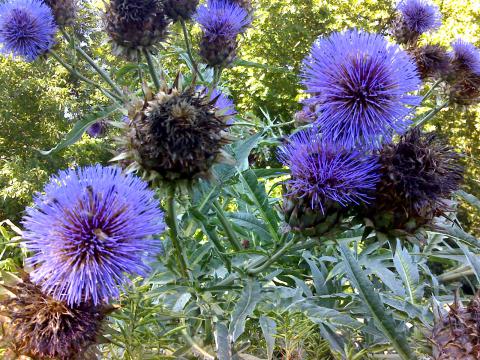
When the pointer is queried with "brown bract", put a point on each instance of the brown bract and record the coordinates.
(456, 335)
(177, 134)
(40, 327)
(135, 25)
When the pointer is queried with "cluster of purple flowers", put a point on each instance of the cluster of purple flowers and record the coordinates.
(360, 96)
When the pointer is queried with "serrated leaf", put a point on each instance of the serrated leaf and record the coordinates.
(473, 260)
(471, 199)
(242, 150)
(244, 308)
(257, 194)
(383, 320)
(80, 127)
(458, 234)
(407, 270)
(222, 339)
(318, 277)
(251, 223)
(269, 330)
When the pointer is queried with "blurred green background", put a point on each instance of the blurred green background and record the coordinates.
(39, 101)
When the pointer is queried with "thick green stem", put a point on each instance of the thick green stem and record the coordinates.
(151, 68)
(173, 229)
(189, 49)
(74, 72)
(231, 236)
(94, 65)
(432, 89)
(271, 259)
(456, 274)
(431, 114)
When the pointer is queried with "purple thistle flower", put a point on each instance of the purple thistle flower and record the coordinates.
(359, 85)
(322, 172)
(466, 56)
(97, 129)
(27, 28)
(420, 15)
(221, 19)
(90, 228)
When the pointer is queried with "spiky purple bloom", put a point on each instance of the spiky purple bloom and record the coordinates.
(322, 172)
(27, 28)
(359, 84)
(90, 228)
(420, 16)
(466, 56)
(97, 129)
(221, 19)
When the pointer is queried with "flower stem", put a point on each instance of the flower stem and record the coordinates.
(151, 68)
(432, 89)
(271, 259)
(231, 236)
(189, 49)
(173, 229)
(431, 114)
(74, 72)
(94, 65)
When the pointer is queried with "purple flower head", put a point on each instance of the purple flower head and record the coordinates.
(90, 228)
(222, 19)
(27, 28)
(97, 129)
(359, 85)
(466, 56)
(322, 172)
(420, 15)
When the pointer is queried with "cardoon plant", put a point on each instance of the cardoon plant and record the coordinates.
(325, 179)
(180, 9)
(241, 257)
(221, 22)
(90, 228)
(64, 11)
(463, 85)
(135, 25)
(419, 175)
(420, 16)
(42, 327)
(177, 134)
(466, 57)
(361, 87)
(27, 28)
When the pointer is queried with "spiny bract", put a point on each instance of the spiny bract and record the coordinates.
(41, 327)
(178, 134)
(64, 11)
(419, 173)
(134, 25)
(456, 334)
(325, 179)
